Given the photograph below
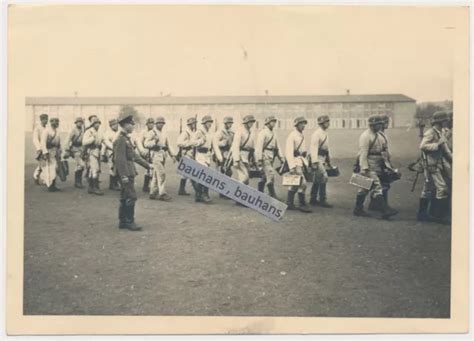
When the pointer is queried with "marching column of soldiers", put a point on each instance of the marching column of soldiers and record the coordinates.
(243, 156)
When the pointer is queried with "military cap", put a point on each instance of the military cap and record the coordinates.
(43, 116)
(95, 120)
(228, 119)
(439, 116)
(150, 120)
(79, 119)
(113, 121)
(206, 119)
(91, 117)
(190, 121)
(160, 119)
(384, 118)
(269, 119)
(53, 119)
(248, 119)
(299, 120)
(126, 114)
(323, 119)
(375, 119)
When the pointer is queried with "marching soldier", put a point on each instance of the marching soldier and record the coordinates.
(156, 140)
(267, 148)
(186, 149)
(144, 152)
(384, 181)
(296, 156)
(372, 165)
(73, 148)
(319, 160)
(125, 158)
(243, 148)
(108, 153)
(37, 132)
(51, 146)
(448, 133)
(222, 142)
(202, 141)
(92, 142)
(435, 153)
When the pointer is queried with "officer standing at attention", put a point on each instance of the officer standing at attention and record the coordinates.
(435, 152)
(186, 149)
(73, 148)
(108, 151)
(221, 144)
(371, 164)
(296, 156)
(243, 148)
(92, 142)
(50, 146)
(156, 140)
(319, 160)
(125, 158)
(202, 140)
(144, 152)
(266, 149)
(37, 132)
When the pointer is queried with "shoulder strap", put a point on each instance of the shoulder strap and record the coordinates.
(297, 148)
(247, 140)
(269, 141)
(321, 143)
(373, 142)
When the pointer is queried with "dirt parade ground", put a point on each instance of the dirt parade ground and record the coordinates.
(222, 259)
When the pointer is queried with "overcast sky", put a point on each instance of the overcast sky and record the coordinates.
(143, 51)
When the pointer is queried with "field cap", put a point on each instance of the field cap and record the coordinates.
(299, 120)
(79, 119)
(228, 119)
(206, 119)
(323, 119)
(160, 119)
(150, 120)
(270, 118)
(43, 116)
(439, 116)
(113, 121)
(191, 120)
(248, 119)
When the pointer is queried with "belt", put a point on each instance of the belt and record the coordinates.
(78, 144)
(158, 148)
(186, 148)
(375, 154)
(203, 150)
(269, 149)
(50, 145)
(247, 149)
(225, 148)
(296, 154)
(323, 152)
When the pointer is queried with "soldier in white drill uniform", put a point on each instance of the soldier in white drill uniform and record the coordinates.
(138, 142)
(92, 142)
(73, 148)
(186, 148)
(319, 151)
(156, 140)
(51, 148)
(202, 141)
(221, 144)
(108, 153)
(266, 150)
(296, 156)
(37, 132)
(243, 149)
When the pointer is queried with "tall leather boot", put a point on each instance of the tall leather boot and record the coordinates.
(146, 184)
(423, 214)
(78, 179)
(313, 197)
(53, 187)
(113, 183)
(323, 196)
(182, 188)
(261, 186)
(387, 212)
(90, 188)
(290, 201)
(205, 195)
(359, 206)
(97, 188)
(198, 191)
(132, 226)
(271, 190)
(440, 209)
(374, 205)
(303, 207)
(122, 215)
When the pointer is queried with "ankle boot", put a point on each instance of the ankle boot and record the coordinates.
(132, 226)
(261, 186)
(423, 210)
(198, 192)
(387, 212)
(359, 206)
(182, 188)
(323, 197)
(374, 205)
(205, 195)
(122, 215)
(290, 201)
(314, 194)
(440, 209)
(53, 187)
(90, 187)
(271, 190)
(303, 207)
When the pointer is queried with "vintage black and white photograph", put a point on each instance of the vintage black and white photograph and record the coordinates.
(269, 161)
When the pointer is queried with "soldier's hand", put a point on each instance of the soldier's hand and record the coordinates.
(174, 159)
(45, 156)
(237, 163)
(293, 171)
(442, 140)
(124, 179)
(365, 172)
(315, 165)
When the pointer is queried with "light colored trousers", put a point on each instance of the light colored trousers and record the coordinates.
(241, 171)
(435, 185)
(302, 187)
(48, 172)
(158, 177)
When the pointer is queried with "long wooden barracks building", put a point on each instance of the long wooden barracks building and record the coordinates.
(346, 111)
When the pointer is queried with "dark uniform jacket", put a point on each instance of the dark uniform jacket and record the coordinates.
(125, 156)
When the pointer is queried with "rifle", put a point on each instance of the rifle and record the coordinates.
(419, 166)
(180, 149)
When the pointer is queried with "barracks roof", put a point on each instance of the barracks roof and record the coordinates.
(170, 100)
